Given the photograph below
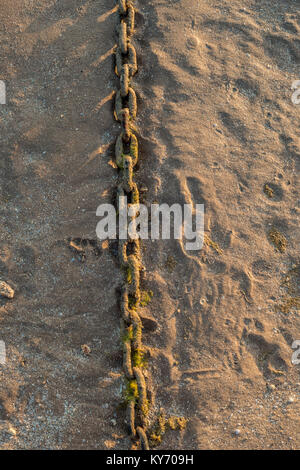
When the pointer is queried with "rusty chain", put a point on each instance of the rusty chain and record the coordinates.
(126, 153)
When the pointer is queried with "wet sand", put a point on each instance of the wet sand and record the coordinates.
(216, 125)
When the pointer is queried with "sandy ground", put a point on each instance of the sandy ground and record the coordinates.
(216, 125)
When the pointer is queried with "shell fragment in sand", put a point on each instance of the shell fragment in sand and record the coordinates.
(6, 290)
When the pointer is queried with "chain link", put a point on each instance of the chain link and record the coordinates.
(130, 59)
(120, 103)
(120, 149)
(126, 154)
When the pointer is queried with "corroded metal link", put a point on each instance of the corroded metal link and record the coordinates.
(143, 438)
(124, 304)
(119, 150)
(135, 195)
(130, 19)
(134, 270)
(122, 6)
(131, 60)
(131, 418)
(126, 153)
(122, 247)
(120, 199)
(126, 125)
(127, 360)
(127, 13)
(119, 61)
(119, 105)
(132, 104)
(123, 39)
(124, 80)
(135, 247)
(122, 252)
(127, 183)
(137, 326)
(143, 402)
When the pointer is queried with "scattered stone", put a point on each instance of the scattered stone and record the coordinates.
(86, 349)
(109, 444)
(75, 246)
(6, 290)
(271, 387)
(113, 422)
(291, 399)
(236, 432)
(11, 431)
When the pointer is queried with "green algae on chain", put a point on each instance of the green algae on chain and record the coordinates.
(126, 333)
(135, 195)
(131, 392)
(120, 151)
(146, 298)
(139, 359)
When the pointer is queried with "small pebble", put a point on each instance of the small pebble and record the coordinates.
(75, 246)
(86, 349)
(6, 290)
(12, 431)
(236, 432)
(113, 422)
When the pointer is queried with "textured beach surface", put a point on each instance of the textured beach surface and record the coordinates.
(216, 125)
